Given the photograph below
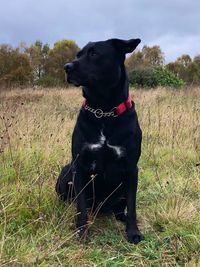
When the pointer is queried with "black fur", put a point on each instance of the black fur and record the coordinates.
(100, 69)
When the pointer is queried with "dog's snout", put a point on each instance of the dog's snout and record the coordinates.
(68, 67)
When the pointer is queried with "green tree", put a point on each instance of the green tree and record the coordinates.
(38, 55)
(63, 51)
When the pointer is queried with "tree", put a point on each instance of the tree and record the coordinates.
(186, 68)
(193, 73)
(174, 67)
(15, 69)
(196, 60)
(184, 60)
(153, 56)
(63, 51)
(38, 55)
(183, 63)
(148, 57)
(135, 61)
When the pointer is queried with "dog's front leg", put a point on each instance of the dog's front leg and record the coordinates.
(133, 233)
(81, 202)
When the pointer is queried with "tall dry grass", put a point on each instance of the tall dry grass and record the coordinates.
(35, 141)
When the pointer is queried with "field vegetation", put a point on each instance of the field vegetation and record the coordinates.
(36, 229)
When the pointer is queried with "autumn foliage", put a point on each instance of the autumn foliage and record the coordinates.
(37, 64)
(42, 65)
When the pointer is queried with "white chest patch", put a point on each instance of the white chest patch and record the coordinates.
(97, 146)
(119, 151)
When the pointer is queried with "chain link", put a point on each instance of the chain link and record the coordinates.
(99, 112)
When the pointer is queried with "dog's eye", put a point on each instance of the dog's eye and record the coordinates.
(92, 53)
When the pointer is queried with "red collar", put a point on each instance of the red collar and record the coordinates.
(116, 111)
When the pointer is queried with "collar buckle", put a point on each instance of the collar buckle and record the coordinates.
(98, 113)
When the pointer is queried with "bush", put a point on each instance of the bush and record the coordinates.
(152, 77)
(167, 78)
(143, 78)
(49, 81)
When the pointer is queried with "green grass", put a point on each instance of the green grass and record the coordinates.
(35, 141)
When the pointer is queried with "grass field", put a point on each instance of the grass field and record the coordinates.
(35, 140)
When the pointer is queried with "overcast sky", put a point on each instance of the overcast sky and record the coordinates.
(174, 25)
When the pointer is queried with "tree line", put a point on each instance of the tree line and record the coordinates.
(39, 64)
(147, 67)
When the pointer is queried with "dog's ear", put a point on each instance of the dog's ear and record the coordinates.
(125, 46)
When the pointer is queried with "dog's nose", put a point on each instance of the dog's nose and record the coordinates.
(68, 67)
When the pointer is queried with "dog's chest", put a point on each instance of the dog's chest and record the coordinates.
(104, 143)
(103, 152)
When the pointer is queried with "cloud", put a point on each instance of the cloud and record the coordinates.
(174, 25)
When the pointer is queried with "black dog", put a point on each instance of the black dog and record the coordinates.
(106, 142)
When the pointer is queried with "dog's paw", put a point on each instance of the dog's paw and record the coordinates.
(82, 232)
(135, 237)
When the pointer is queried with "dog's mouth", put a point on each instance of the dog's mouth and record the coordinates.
(72, 80)
(77, 84)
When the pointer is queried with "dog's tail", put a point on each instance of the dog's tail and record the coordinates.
(64, 185)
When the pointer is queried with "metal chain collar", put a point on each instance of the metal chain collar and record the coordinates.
(99, 112)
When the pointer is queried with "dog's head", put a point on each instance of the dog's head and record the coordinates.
(99, 64)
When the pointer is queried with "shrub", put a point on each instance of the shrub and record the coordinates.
(167, 78)
(143, 78)
(49, 81)
(153, 77)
